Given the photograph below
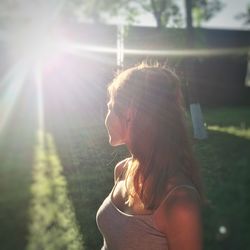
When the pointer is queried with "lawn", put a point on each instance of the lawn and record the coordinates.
(50, 192)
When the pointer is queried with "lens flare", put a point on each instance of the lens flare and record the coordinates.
(12, 84)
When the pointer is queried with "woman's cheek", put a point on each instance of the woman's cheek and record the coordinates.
(114, 127)
(109, 123)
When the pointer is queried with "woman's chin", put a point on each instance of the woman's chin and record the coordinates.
(115, 143)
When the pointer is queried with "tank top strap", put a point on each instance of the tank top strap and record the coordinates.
(120, 176)
(172, 190)
(124, 169)
(118, 179)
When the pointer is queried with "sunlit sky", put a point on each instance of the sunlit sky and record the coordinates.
(225, 19)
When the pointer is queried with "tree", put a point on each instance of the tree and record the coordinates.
(245, 16)
(100, 11)
(204, 10)
(168, 11)
(165, 12)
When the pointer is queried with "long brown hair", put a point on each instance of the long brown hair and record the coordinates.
(160, 144)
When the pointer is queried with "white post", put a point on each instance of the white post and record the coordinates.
(120, 46)
(197, 121)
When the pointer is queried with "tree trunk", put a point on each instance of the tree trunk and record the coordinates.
(158, 20)
(189, 18)
(157, 14)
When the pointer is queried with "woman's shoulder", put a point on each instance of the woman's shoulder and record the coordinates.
(119, 168)
(181, 201)
(180, 217)
(180, 188)
(182, 191)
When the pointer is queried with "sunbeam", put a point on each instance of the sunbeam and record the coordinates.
(233, 130)
(40, 107)
(11, 85)
(78, 49)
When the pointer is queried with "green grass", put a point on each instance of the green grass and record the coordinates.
(225, 161)
(53, 222)
(88, 163)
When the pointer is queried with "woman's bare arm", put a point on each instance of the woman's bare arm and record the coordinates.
(179, 218)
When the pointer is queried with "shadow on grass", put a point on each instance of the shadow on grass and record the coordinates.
(225, 161)
(16, 158)
(53, 223)
(88, 161)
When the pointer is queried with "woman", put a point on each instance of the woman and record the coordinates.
(155, 201)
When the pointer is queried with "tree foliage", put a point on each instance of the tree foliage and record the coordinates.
(204, 10)
(100, 11)
(245, 16)
(165, 12)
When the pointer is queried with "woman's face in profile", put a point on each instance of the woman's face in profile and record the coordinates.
(115, 127)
